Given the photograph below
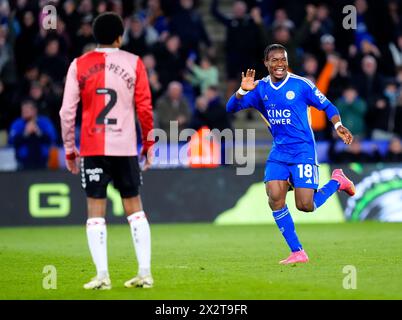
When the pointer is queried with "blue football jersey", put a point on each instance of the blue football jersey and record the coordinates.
(284, 107)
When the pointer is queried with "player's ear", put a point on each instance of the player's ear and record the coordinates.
(119, 41)
(266, 63)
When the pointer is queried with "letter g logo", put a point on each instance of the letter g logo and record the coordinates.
(49, 200)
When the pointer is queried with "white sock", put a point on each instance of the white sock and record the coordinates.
(97, 237)
(141, 234)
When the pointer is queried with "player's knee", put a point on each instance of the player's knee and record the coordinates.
(305, 206)
(276, 204)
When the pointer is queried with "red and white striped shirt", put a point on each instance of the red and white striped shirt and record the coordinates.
(111, 83)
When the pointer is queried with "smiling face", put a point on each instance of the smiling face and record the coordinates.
(277, 64)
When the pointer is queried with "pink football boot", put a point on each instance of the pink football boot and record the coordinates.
(296, 257)
(345, 184)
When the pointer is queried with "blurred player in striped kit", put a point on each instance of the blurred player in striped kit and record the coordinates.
(113, 87)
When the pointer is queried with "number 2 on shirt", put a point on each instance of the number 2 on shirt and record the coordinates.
(101, 118)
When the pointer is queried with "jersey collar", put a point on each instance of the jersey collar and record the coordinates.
(281, 85)
(106, 50)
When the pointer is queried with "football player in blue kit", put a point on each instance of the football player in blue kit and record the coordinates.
(283, 99)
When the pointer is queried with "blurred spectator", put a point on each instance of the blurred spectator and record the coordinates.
(85, 7)
(22, 6)
(117, 7)
(210, 111)
(362, 32)
(170, 63)
(368, 38)
(383, 117)
(84, 36)
(353, 153)
(271, 11)
(201, 106)
(378, 118)
(7, 16)
(327, 48)
(25, 42)
(353, 111)
(342, 78)
(139, 38)
(316, 24)
(398, 117)
(327, 42)
(396, 51)
(369, 83)
(7, 63)
(188, 25)
(52, 62)
(322, 80)
(31, 74)
(65, 40)
(7, 112)
(326, 25)
(380, 23)
(154, 16)
(283, 36)
(153, 77)
(261, 37)
(394, 12)
(391, 93)
(398, 76)
(310, 67)
(32, 136)
(394, 152)
(203, 75)
(281, 19)
(241, 29)
(44, 101)
(71, 17)
(173, 107)
(101, 7)
(367, 46)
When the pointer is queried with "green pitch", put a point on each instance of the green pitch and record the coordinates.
(202, 261)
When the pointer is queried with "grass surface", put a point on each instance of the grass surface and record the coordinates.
(203, 261)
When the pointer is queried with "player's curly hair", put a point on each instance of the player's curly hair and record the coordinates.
(273, 47)
(107, 27)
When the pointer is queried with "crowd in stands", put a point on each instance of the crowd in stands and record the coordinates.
(359, 69)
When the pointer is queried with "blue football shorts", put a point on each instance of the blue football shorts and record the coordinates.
(301, 175)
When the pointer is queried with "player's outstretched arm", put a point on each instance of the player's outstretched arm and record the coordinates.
(342, 131)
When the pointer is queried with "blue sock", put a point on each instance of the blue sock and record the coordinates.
(285, 224)
(325, 192)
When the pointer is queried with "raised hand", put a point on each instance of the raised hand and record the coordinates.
(247, 81)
